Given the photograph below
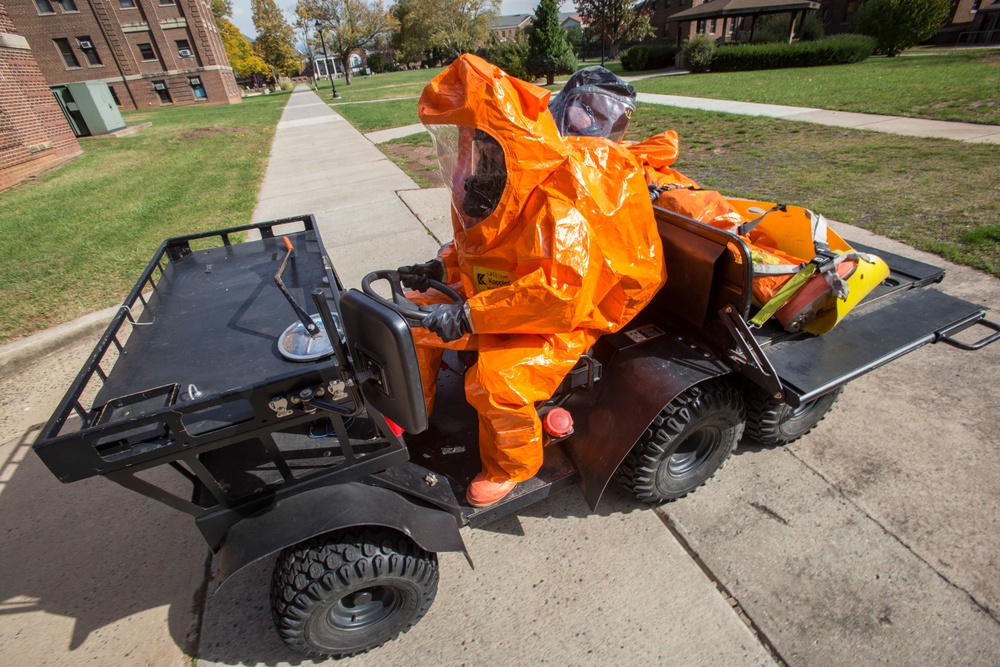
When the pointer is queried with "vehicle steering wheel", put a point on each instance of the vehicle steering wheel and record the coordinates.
(410, 311)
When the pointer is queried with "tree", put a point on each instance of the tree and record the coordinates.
(548, 51)
(242, 58)
(615, 22)
(442, 28)
(222, 9)
(348, 25)
(275, 38)
(897, 25)
(463, 26)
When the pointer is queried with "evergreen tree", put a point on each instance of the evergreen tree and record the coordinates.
(548, 51)
(897, 25)
(275, 38)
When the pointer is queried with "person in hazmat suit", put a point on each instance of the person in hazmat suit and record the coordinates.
(554, 245)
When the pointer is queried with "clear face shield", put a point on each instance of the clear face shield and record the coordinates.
(473, 166)
(596, 115)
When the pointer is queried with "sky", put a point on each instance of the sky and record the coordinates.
(243, 20)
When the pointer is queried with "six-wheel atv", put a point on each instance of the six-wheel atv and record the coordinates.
(274, 436)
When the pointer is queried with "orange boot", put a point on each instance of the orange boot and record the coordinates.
(482, 492)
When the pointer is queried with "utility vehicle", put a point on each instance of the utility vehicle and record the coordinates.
(201, 395)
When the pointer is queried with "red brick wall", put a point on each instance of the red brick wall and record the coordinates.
(116, 34)
(34, 134)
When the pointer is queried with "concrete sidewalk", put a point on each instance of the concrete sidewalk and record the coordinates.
(873, 540)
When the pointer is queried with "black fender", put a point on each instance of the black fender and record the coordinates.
(329, 508)
(638, 382)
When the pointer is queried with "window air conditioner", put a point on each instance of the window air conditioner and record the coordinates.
(84, 44)
(195, 82)
(159, 86)
(185, 53)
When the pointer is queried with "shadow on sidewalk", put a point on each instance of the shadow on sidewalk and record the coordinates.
(95, 553)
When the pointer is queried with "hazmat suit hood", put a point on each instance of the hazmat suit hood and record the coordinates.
(570, 242)
(472, 93)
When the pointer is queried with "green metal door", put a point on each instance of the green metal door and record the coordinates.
(71, 111)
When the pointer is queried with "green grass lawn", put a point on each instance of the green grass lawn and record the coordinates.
(75, 240)
(962, 86)
(934, 194)
(379, 102)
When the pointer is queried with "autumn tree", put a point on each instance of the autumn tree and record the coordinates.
(275, 38)
(614, 22)
(242, 58)
(348, 25)
(446, 28)
(548, 51)
(897, 25)
(463, 25)
(239, 51)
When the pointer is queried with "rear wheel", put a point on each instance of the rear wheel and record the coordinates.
(346, 593)
(685, 444)
(771, 422)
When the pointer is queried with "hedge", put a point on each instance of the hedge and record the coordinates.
(836, 50)
(642, 56)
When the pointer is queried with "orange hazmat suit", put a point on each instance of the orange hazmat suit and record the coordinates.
(558, 247)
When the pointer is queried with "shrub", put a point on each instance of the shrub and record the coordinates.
(635, 58)
(652, 56)
(897, 24)
(836, 50)
(378, 62)
(698, 52)
(508, 56)
(774, 28)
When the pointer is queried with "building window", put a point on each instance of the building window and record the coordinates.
(69, 6)
(89, 51)
(44, 7)
(161, 91)
(701, 27)
(66, 51)
(713, 26)
(199, 89)
(126, 4)
(184, 48)
(147, 52)
(167, 2)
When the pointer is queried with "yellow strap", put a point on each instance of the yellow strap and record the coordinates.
(783, 294)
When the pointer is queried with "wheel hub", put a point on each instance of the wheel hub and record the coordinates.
(364, 608)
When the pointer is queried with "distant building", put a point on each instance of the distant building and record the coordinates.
(150, 52)
(34, 134)
(971, 21)
(507, 28)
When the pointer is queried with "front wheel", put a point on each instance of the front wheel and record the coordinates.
(346, 593)
(685, 444)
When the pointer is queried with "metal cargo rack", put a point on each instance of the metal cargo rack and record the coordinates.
(188, 380)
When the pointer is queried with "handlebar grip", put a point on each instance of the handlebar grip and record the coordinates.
(288, 244)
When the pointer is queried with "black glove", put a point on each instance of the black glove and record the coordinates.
(418, 276)
(448, 320)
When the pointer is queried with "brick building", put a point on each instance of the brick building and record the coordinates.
(970, 22)
(149, 52)
(34, 134)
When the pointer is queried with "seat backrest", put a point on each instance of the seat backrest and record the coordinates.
(707, 269)
(379, 340)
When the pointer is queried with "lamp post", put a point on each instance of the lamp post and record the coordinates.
(326, 60)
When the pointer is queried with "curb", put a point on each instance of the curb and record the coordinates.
(17, 356)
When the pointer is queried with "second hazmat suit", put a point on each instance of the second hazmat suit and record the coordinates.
(554, 245)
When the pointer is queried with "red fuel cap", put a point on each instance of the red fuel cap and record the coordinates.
(558, 422)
